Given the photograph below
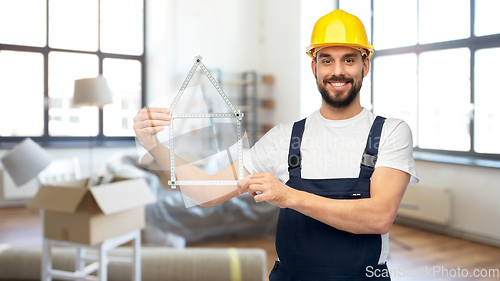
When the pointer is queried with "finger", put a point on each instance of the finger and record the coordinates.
(141, 116)
(244, 180)
(254, 189)
(162, 110)
(246, 186)
(155, 116)
(243, 188)
(151, 130)
(154, 110)
(259, 198)
(158, 115)
(152, 124)
(258, 181)
(243, 183)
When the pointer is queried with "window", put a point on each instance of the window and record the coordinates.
(436, 69)
(45, 45)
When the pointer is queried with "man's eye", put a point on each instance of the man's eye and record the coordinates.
(349, 60)
(326, 61)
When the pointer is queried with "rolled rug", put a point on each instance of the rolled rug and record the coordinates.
(158, 263)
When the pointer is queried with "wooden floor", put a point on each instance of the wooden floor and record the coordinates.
(414, 253)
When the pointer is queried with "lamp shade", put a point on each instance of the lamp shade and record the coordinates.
(92, 91)
(25, 161)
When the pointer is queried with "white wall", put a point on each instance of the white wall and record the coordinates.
(159, 56)
(225, 32)
(475, 192)
(282, 52)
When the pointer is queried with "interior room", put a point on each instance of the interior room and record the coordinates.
(75, 74)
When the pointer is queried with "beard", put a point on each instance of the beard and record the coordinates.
(334, 99)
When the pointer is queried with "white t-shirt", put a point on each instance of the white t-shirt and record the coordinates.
(333, 148)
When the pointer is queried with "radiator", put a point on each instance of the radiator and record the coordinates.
(427, 203)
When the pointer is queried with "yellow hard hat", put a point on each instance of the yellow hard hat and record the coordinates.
(339, 28)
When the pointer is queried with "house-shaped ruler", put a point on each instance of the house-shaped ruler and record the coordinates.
(237, 114)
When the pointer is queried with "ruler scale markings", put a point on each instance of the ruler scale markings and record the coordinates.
(194, 182)
(172, 154)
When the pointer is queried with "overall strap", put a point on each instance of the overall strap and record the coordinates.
(294, 158)
(369, 158)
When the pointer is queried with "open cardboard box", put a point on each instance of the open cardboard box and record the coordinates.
(75, 213)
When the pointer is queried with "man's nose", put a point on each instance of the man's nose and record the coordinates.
(337, 69)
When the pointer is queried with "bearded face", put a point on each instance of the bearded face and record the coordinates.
(339, 98)
(339, 75)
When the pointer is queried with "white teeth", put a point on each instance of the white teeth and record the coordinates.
(337, 84)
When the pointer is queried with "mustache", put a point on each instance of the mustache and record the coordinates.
(337, 79)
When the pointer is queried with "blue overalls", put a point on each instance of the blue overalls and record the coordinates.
(311, 250)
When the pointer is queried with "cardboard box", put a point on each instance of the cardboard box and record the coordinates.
(75, 213)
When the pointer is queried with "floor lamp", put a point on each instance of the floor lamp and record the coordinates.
(92, 92)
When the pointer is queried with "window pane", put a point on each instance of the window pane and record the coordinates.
(394, 23)
(366, 91)
(362, 10)
(487, 101)
(444, 100)
(23, 22)
(395, 88)
(73, 24)
(124, 79)
(21, 94)
(65, 120)
(485, 12)
(443, 20)
(122, 32)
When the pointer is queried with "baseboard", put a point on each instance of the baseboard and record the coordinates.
(14, 203)
(448, 231)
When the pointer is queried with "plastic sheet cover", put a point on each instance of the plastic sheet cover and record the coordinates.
(170, 223)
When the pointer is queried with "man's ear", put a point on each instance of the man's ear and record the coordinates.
(366, 67)
(313, 67)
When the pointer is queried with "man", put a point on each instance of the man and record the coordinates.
(338, 175)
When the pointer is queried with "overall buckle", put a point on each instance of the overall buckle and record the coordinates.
(368, 160)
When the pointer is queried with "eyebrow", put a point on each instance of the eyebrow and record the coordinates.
(351, 55)
(324, 55)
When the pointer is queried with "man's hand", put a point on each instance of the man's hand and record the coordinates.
(269, 187)
(148, 122)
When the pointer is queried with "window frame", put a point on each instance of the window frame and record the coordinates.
(78, 141)
(473, 43)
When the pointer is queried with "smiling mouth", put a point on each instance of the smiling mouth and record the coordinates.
(338, 85)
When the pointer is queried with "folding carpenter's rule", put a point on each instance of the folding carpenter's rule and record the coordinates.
(237, 114)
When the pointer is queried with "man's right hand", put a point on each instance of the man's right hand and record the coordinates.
(148, 122)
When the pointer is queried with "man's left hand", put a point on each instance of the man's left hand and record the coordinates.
(269, 187)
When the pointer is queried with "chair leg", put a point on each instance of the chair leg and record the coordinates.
(80, 258)
(46, 261)
(102, 272)
(136, 268)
